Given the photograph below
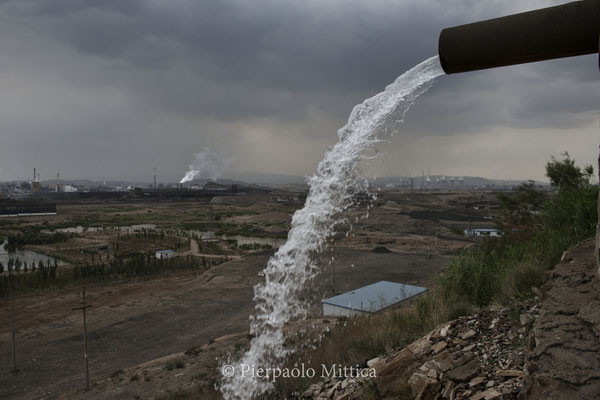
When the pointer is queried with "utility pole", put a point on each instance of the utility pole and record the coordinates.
(332, 277)
(83, 307)
(12, 326)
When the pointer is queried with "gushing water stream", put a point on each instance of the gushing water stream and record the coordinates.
(331, 188)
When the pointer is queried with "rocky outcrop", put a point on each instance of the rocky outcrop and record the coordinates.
(476, 357)
(336, 389)
(565, 362)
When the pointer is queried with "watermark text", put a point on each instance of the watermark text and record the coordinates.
(337, 371)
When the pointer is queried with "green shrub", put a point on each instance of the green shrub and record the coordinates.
(512, 264)
(506, 268)
(174, 364)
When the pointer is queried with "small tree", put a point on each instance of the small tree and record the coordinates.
(573, 212)
(18, 264)
(565, 175)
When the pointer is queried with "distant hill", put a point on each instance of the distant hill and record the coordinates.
(260, 178)
(263, 178)
(469, 181)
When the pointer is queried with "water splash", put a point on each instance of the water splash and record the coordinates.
(278, 299)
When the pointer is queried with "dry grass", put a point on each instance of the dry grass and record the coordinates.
(354, 341)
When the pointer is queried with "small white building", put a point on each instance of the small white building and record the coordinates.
(483, 232)
(209, 237)
(369, 299)
(162, 254)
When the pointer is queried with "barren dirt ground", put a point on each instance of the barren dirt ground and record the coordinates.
(129, 323)
(139, 320)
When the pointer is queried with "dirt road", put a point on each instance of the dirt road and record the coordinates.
(195, 251)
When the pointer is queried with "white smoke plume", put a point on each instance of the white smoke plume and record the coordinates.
(207, 164)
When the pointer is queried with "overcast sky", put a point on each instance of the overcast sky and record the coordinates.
(113, 88)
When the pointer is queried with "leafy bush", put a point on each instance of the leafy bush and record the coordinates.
(174, 364)
(505, 268)
(14, 242)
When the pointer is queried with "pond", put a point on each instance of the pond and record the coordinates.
(25, 255)
(205, 235)
(81, 229)
(242, 240)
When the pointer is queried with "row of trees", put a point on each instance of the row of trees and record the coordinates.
(255, 246)
(35, 237)
(41, 277)
(16, 265)
(172, 241)
(16, 241)
(119, 268)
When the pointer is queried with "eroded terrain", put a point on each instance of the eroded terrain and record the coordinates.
(140, 328)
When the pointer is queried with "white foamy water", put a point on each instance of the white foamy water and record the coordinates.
(291, 268)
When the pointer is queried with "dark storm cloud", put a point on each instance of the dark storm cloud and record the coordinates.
(143, 80)
(267, 47)
(556, 94)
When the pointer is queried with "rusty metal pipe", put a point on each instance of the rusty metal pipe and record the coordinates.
(571, 29)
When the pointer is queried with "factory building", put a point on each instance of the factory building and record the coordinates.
(370, 299)
(18, 208)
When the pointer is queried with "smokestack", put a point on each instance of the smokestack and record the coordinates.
(567, 30)
(35, 185)
(155, 178)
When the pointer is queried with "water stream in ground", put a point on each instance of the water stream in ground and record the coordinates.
(291, 268)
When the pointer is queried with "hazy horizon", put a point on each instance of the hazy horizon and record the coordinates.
(251, 177)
